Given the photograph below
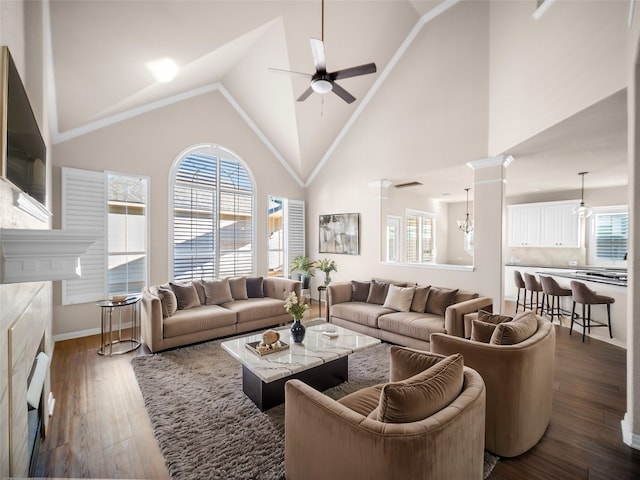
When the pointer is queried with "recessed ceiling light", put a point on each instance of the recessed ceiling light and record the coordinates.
(164, 69)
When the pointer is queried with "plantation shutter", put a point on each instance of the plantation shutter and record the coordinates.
(84, 206)
(294, 231)
(428, 244)
(612, 234)
(411, 238)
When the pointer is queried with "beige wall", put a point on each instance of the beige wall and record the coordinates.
(148, 145)
(543, 71)
(25, 309)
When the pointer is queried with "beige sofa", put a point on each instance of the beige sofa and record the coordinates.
(517, 367)
(401, 313)
(426, 423)
(177, 314)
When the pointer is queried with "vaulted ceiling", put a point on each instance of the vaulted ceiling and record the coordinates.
(100, 50)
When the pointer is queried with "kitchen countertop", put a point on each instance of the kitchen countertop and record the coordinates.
(582, 273)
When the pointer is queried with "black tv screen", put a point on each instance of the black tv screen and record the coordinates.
(25, 154)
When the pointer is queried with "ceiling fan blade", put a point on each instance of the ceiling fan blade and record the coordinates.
(317, 50)
(343, 94)
(354, 71)
(305, 94)
(289, 72)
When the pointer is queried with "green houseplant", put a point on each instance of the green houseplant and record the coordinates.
(304, 267)
(326, 266)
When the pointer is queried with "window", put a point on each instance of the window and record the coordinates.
(285, 219)
(127, 234)
(393, 238)
(213, 221)
(610, 234)
(419, 237)
(114, 207)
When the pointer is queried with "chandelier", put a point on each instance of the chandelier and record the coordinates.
(583, 210)
(465, 225)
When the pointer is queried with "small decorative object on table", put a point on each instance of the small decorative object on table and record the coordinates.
(296, 309)
(327, 266)
(270, 343)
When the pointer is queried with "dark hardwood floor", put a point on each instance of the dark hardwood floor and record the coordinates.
(100, 428)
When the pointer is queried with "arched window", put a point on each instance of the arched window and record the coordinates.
(213, 215)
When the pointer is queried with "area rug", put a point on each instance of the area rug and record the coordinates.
(207, 428)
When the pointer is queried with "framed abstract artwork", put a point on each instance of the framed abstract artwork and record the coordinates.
(339, 233)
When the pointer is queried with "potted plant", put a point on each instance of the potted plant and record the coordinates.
(327, 266)
(304, 267)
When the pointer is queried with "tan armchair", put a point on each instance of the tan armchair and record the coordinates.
(519, 383)
(344, 439)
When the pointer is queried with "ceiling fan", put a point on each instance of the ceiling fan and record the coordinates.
(322, 81)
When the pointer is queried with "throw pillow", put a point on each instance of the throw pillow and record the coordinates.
(254, 287)
(399, 298)
(419, 302)
(169, 302)
(359, 291)
(186, 295)
(465, 296)
(377, 292)
(494, 318)
(406, 362)
(482, 331)
(423, 394)
(439, 299)
(200, 290)
(522, 326)
(238, 288)
(217, 292)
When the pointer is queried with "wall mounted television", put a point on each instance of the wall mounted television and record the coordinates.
(23, 149)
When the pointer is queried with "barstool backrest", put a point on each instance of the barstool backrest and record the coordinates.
(517, 277)
(551, 287)
(583, 294)
(531, 283)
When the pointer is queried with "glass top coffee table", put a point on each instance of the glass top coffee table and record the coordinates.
(319, 361)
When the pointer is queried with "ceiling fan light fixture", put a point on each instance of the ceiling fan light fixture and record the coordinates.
(164, 69)
(321, 86)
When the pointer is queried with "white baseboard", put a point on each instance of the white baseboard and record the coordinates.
(628, 437)
(83, 333)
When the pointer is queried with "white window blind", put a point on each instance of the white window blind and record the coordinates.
(611, 235)
(294, 228)
(84, 206)
(419, 237)
(213, 221)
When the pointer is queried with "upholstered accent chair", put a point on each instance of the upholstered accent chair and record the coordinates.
(516, 361)
(426, 423)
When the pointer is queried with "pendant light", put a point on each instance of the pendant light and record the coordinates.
(583, 210)
(465, 225)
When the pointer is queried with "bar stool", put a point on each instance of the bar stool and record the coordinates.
(533, 285)
(517, 277)
(552, 290)
(587, 297)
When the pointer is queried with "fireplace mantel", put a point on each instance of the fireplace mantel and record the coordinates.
(42, 255)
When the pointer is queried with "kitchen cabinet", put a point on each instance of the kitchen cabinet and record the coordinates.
(549, 224)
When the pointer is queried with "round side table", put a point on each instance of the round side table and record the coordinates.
(122, 345)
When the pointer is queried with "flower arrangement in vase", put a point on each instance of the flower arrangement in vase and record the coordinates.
(326, 266)
(296, 308)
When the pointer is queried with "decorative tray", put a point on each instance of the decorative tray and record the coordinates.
(252, 346)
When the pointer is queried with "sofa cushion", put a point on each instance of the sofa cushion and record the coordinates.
(439, 299)
(422, 395)
(359, 291)
(254, 287)
(200, 289)
(377, 292)
(517, 330)
(485, 324)
(169, 301)
(217, 292)
(238, 286)
(255, 308)
(407, 362)
(463, 296)
(411, 324)
(363, 401)
(205, 317)
(359, 312)
(186, 295)
(419, 303)
(399, 298)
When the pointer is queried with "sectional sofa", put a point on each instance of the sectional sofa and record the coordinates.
(176, 314)
(401, 312)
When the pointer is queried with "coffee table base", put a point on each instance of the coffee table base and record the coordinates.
(268, 395)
